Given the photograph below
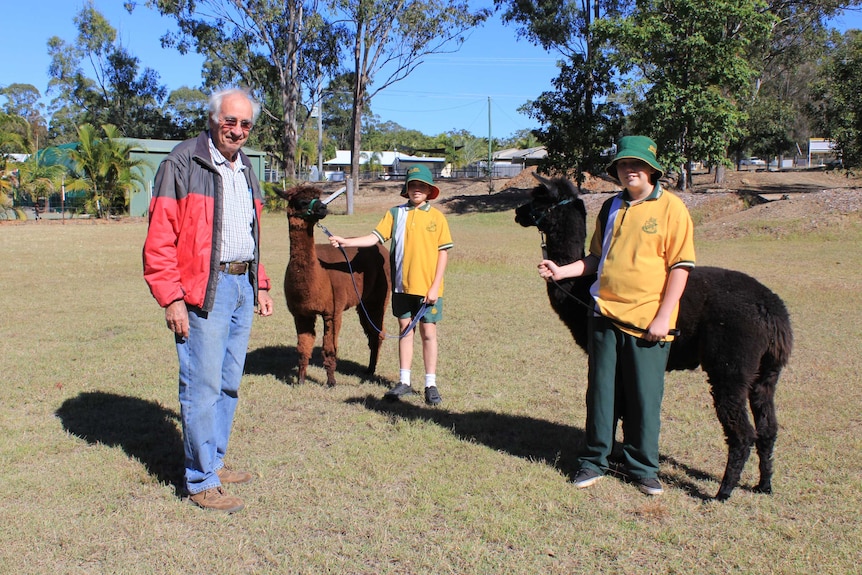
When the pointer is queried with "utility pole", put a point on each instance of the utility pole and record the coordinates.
(490, 154)
(319, 125)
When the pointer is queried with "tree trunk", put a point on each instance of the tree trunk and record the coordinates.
(356, 114)
(720, 173)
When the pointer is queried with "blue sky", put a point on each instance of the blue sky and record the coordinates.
(447, 92)
(492, 70)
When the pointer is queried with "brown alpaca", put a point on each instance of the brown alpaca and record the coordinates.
(318, 282)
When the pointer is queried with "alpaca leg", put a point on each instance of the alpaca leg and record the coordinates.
(305, 336)
(732, 412)
(376, 311)
(762, 403)
(331, 327)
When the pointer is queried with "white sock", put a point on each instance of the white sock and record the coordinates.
(404, 376)
(430, 380)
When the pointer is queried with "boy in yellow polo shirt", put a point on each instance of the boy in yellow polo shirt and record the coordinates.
(642, 251)
(418, 256)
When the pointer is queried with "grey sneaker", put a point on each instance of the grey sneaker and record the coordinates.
(649, 486)
(398, 392)
(432, 396)
(586, 478)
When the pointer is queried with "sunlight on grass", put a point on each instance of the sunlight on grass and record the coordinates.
(351, 484)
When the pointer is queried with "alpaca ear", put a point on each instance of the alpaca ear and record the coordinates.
(544, 181)
(285, 195)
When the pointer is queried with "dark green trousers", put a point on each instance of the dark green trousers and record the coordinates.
(626, 380)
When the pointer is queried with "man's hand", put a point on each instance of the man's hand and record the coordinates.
(177, 318)
(264, 303)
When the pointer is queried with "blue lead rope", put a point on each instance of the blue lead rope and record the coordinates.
(419, 314)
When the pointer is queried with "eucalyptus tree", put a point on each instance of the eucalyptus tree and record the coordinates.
(276, 48)
(24, 100)
(688, 67)
(96, 80)
(14, 137)
(388, 40)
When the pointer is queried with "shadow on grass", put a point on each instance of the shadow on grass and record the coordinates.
(145, 430)
(280, 361)
(529, 438)
(501, 201)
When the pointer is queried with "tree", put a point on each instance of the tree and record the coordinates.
(837, 111)
(104, 168)
(691, 69)
(390, 37)
(574, 136)
(187, 112)
(579, 119)
(14, 137)
(117, 93)
(38, 179)
(24, 100)
(272, 47)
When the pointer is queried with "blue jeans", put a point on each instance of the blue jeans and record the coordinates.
(211, 364)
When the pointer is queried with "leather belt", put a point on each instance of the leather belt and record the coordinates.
(234, 268)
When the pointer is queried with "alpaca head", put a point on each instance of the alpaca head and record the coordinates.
(303, 203)
(557, 211)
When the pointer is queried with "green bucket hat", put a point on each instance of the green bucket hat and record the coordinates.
(639, 148)
(422, 174)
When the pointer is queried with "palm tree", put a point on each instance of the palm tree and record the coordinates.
(36, 179)
(14, 137)
(105, 168)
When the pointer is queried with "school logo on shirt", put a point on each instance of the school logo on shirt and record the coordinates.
(650, 226)
(432, 227)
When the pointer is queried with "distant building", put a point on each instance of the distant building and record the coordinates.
(387, 165)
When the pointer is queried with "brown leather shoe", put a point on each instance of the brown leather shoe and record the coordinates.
(216, 499)
(226, 475)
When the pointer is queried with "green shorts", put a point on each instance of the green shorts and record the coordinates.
(405, 306)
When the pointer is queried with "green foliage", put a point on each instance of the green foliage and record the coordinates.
(105, 169)
(117, 92)
(838, 110)
(274, 47)
(14, 136)
(577, 128)
(690, 64)
(38, 179)
(24, 100)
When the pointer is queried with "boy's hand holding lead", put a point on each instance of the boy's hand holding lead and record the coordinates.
(548, 270)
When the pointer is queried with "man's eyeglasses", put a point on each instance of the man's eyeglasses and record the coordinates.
(231, 122)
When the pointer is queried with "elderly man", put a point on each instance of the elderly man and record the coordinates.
(202, 264)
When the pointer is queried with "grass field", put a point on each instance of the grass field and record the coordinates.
(90, 448)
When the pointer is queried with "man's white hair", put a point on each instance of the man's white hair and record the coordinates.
(217, 98)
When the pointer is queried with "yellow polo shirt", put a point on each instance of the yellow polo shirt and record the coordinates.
(637, 245)
(417, 234)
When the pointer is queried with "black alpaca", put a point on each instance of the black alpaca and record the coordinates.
(730, 324)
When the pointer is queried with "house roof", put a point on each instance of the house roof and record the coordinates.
(388, 158)
(516, 155)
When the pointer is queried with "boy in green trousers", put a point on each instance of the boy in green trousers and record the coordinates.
(642, 251)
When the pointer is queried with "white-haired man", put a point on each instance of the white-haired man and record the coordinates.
(202, 264)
